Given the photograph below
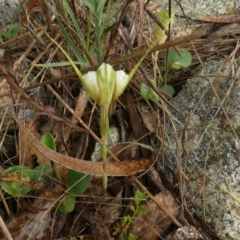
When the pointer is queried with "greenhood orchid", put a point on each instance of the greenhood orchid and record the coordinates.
(104, 86)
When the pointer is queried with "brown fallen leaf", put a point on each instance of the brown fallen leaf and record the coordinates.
(230, 18)
(149, 118)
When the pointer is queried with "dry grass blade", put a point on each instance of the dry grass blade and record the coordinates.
(139, 132)
(232, 18)
(5, 229)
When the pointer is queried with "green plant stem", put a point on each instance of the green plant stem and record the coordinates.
(104, 130)
(162, 80)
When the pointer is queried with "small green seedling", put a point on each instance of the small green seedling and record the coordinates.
(11, 33)
(160, 36)
(137, 208)
(77, 182)
(47, 140)
(12, 30)
(177, 59)
(20, 179)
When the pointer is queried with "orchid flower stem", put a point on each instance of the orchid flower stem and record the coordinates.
(104, 130)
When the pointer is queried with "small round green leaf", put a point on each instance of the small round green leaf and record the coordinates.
(132, 208)
(77, 182)
(148, 92)
(21, 171)
(15, 188)
(141, 209)
(22, 177)
(168, 89)
(48, 141)
(44, 173)
(178, 59)
(67, 204)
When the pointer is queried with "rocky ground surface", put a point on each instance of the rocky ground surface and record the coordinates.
(210, 113)
(7, 8)
(212, 140)
(196, 8)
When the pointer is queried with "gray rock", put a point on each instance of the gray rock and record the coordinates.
(212, 142)
(7, 8)
(196, 8)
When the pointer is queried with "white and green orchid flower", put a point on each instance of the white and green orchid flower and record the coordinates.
(105, 85)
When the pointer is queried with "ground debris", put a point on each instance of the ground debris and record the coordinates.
(185, 233)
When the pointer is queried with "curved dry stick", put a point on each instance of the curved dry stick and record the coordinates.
(120, 168)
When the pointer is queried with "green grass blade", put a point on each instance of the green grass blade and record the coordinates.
(76, 69)
(74, 20)
(92, 4)
(60, 64)
(70, 42)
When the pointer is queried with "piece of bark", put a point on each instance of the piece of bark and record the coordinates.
(228, 18)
